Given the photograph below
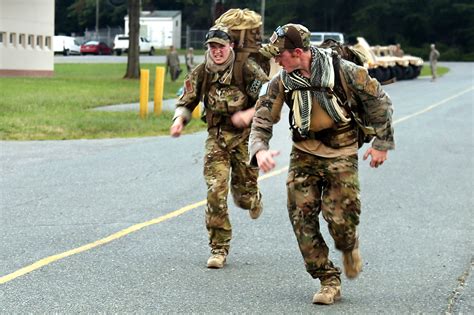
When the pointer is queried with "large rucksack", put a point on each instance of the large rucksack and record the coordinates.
(245, 29)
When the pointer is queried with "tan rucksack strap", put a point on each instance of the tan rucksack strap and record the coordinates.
(348, 104)
(240, 58)
(204, 87)
(241, 39)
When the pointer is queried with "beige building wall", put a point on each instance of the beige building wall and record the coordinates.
(26, 35)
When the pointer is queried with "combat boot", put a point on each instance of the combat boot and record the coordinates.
(327, 295)
(216, 261)
(352, 262)
(257, 209)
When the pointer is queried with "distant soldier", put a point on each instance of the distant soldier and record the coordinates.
(172, 63)
(229, 112)
(434, 55)
(323, 171)
(398, 51)
(190, 59)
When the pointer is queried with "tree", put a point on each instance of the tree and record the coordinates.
(133, 59)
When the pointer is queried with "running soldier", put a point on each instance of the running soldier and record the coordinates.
(229, 111)
(323, 171)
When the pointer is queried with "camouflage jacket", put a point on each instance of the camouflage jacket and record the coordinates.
(220, 99)
(377, 104)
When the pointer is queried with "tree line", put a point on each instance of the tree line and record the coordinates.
(412, 23)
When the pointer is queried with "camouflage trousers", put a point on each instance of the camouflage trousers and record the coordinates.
(226, 158)
(329, 186)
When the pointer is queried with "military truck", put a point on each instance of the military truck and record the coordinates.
(380, 68)
(407, 67)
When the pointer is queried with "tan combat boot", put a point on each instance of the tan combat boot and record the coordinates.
(216, 261)
(257, 209)
(352, 262)
(328, 294)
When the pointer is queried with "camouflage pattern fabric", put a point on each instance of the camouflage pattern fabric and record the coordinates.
(326, 185)
(226, 150)
(377, 105)
(221, 98)
(329, 186)
(225, 159)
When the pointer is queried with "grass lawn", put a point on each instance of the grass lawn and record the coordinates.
(426, 71)
(57, 107)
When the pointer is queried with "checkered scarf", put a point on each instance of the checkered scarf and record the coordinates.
(322, 76)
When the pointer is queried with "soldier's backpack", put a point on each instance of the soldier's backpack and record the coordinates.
(245, 30)
(365, 132)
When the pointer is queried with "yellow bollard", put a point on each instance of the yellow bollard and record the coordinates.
(144, 91)
(159, 85)
(197, 112)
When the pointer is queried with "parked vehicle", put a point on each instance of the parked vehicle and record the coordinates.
(121, 45)
(66, 45)
(384, 66)
(317, 38)
(96, 48)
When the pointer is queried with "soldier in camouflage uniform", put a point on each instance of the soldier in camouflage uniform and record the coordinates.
(229, 112)
(322, 176)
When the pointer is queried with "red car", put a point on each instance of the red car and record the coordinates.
(96, 48)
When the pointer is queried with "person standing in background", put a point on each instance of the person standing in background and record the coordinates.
(172, 63)
(190, 59)
(434, 55)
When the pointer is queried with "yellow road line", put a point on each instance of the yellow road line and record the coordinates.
(45, 261)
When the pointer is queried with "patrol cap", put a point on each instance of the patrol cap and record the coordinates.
(288, 36)
(218, 34)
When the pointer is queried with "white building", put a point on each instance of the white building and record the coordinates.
(26, 32)
(162, 28)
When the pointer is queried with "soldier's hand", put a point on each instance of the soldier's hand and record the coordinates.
(265, 159)
(377, 157)
(243, 118)
(177, 127)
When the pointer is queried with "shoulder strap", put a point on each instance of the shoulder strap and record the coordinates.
(204, 87)
(238, 71)
(353, 110)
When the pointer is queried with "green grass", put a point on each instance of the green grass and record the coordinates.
(58, 107)
(426, 71)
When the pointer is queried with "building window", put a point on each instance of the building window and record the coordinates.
(47, 42)
(13, 39)
(22, 40)
(31, 40)
(3, 37)
(39, 41)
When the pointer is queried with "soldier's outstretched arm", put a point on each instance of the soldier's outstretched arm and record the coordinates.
(187, 101)
(376, 102)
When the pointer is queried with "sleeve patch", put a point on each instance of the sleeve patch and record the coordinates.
(188, 86)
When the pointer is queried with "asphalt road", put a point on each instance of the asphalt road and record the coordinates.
(91, 226)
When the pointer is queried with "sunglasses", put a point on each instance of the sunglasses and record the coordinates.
(280, 32)
(218, 34)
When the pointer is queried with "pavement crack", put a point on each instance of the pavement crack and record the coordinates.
(457, 292)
